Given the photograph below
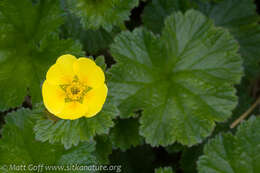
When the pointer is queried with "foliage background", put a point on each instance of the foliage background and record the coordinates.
(111, 137)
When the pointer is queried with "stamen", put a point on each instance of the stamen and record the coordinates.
(75, 91)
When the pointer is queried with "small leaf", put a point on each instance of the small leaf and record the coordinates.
(103, 148)
(105, 14)
(125, 134)
(130, 160)
(183, 81)
(100, 61)
(229, 153)
(174, 148)
(164, 170)
(95, 41)
(157, 10)
(71, 132)
(189, 157)
(18, 146)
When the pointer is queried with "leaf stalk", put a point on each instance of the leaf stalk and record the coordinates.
(246, 114)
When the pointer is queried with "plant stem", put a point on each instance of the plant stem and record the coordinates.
(244, 115)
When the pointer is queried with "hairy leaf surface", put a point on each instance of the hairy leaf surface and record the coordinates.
(229, 153)
(71, 132)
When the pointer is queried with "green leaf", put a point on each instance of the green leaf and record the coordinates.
(97, 40)
(125, 134)
(229, 153)
(29, 44)
(71, 132)
(100, 61)
(183, 81)
(105, 14)
(242, 20)
(93, 41)
(225, 13)
(103, 148)
(245, 99)
(18, 147)
(157, 10)
(189, 157)
(174, 148)
(138, 159)
(164, 170)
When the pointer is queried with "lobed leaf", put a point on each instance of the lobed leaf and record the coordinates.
(125, 134)
(105, 14)
(229, 153)
(18, 147)
(225, 13)
(183, 81)
(93, 41)
(72, 132)
(29, 44)
(244, 26)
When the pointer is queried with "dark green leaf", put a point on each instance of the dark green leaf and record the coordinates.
(189, 158)
(100, 61)
(242, 20)
(135, 160)
(103, 148)
(125, 134)
(29, 44)
(18, 147)
(93, 41)
(174, 148)
(164, 170)
(157, 10)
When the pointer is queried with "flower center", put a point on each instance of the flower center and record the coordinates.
(75, 91)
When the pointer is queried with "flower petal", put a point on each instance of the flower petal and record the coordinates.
(53, 97)
(95, 100)
(73, 110)
(89, 73)
(62, 72)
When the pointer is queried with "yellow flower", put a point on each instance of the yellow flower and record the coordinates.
(74, 88)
